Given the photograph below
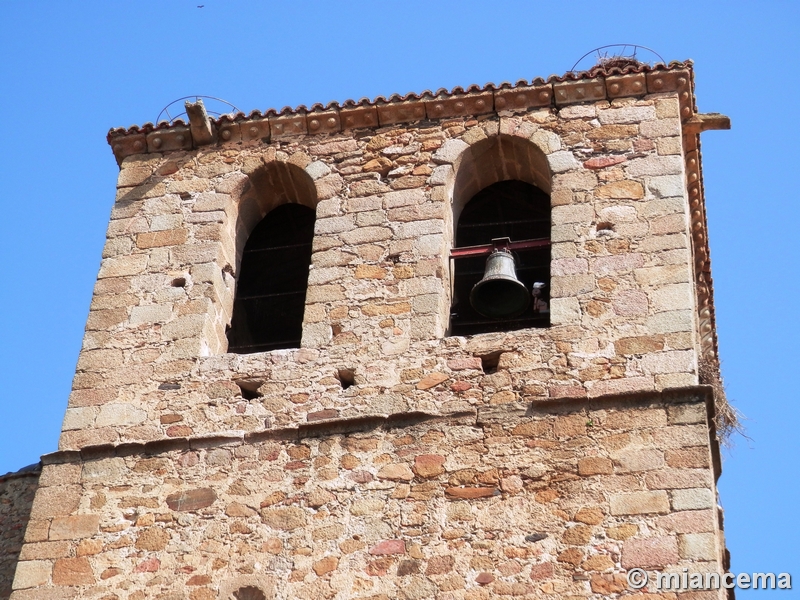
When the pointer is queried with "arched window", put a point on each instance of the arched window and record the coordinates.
(272, 281)
(508, 209)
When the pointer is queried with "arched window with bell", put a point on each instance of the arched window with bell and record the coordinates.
(501, 256)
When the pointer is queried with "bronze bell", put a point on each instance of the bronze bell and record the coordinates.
(500, 295)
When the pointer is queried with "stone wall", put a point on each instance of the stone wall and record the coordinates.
(558, 499)
(153, 363)
(16, 498)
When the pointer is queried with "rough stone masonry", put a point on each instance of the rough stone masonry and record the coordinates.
(385, 458)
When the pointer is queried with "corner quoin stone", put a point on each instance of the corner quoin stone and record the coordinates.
(640, 503)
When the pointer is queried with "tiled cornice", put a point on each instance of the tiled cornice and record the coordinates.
(571, 88)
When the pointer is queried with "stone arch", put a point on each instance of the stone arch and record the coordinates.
(267, 187)
(497, 158)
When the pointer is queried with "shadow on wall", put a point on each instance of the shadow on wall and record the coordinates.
(16, 498)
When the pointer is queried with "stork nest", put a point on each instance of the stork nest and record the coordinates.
(605, 64)
(727, 420)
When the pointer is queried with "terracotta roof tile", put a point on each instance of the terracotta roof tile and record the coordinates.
(598, 73)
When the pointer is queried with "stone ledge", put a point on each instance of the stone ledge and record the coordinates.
(33, 470)
(482, 415)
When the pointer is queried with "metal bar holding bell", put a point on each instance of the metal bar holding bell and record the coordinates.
(498, 244)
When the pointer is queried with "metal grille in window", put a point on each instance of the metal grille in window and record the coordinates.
(272, 282)
(508, 209)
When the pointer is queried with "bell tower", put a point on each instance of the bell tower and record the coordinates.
(456, 345)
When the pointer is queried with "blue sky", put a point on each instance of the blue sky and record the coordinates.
(72, 70)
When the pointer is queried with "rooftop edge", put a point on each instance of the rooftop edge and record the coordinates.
(557, 91)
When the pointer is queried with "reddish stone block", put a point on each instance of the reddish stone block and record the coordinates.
(666, 479)
(44, 550)
(613, 583)
(639, 345)
(152, 539)
(370, 272)
(378, 568)
(512, 484)
(462, 364)
(566, 391)
(396, 472)
(284, 518)
(361, 476)
(693, 458)
(598, 562)
(74, 527)
(595, 466)
(504, 588)
(431, 380)
(640, 503)
(299, 452)
(546, 496)
(326, 565)
(429, 465)
(55, 501)
(157, 239)
(460, 386)
(590, 516)
(542, 571)
(690, 521)
(649, 553)
(73, 571)
(407, 567)
(389, 547)
(439, 565)
(537, 429)
(179, 431)
(484, 578)
(151, 565)
(570, 426)
(621, 190)
(572, 556)
(604, 161)
(189, 459)
(237, 509)
(577, 536)
(321, 415)
(469, 493)
(110, 572)
(191, 499)
(202, 594)
(510, 568)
